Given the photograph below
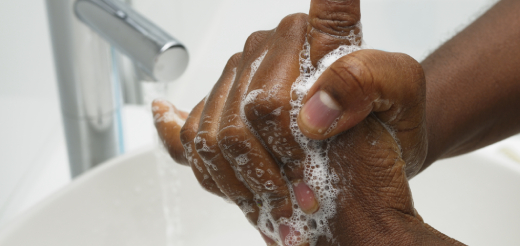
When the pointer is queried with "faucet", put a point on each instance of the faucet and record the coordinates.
(88, 38)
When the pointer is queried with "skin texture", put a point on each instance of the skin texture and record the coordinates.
(473, 85)
(376, 93)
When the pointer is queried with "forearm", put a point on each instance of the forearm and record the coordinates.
(402, 230)
(473, 85)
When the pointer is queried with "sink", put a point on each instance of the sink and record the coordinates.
(121, 203)
(473, 198)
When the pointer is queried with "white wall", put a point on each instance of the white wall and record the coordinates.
(414, 27)
(26, 67)
(30, 123)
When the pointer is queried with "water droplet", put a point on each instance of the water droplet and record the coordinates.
(270, 185)
(259, 172)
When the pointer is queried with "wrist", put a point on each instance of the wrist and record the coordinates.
(411, 230)
(437, 129)
(394, 228)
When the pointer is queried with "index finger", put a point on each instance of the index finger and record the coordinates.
(168, 122)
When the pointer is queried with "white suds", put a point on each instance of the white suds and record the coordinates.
(168, 116)
(253, 94)
(317, 172)
(199, 139)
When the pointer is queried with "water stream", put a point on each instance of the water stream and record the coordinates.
(170, 185)
(168, 174)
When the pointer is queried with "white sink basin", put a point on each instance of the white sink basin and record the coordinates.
(121, 203)
(473, 198)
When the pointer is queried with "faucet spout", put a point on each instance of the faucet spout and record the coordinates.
(83, 33)
(158, 54)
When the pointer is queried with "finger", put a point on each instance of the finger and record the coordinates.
(268, 106)
(168, 122)
(252, 162)
(333, 23)
(206, 144)
(187, 136)
(391, 85)
(268, 240)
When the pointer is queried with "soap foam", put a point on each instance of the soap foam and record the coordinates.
(199, 139)
(317, 172)
(167, 116)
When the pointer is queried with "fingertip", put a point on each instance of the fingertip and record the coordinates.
(331, 24)
(160, 104)
(284, 231)
(290, 236)
(165, 111)
(305, 197)
(168, 122)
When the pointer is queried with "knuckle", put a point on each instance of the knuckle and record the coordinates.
(294, 22)
(269, 116)
(234, 60)
(334, 24)
(207, 183)
(413, 70)
(295, 19)
(278, 198)
(235, 146)
(254, 40)
(187, 134)
(336, 18)
(292, 30)
(281, 205)
(408, 61)
(232, 140)
(352, 73)
(206, 145)
(264, 107)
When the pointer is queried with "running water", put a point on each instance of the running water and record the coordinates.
(168, 174)
(170, 186)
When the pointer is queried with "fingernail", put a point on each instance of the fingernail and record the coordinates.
(285, 231)
(305, 197)
(268, 241)
(319, 112)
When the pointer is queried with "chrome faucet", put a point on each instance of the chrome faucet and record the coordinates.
(88, 37)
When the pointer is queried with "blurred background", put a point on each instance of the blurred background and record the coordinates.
(33, 156)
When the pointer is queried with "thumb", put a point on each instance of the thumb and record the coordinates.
(332, 23)
(390, 85)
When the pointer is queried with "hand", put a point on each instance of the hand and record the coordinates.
(240, 143)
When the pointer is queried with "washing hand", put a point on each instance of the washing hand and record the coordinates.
(368, 108)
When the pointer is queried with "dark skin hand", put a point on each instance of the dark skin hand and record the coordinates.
(368, 92)
(473, 85)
